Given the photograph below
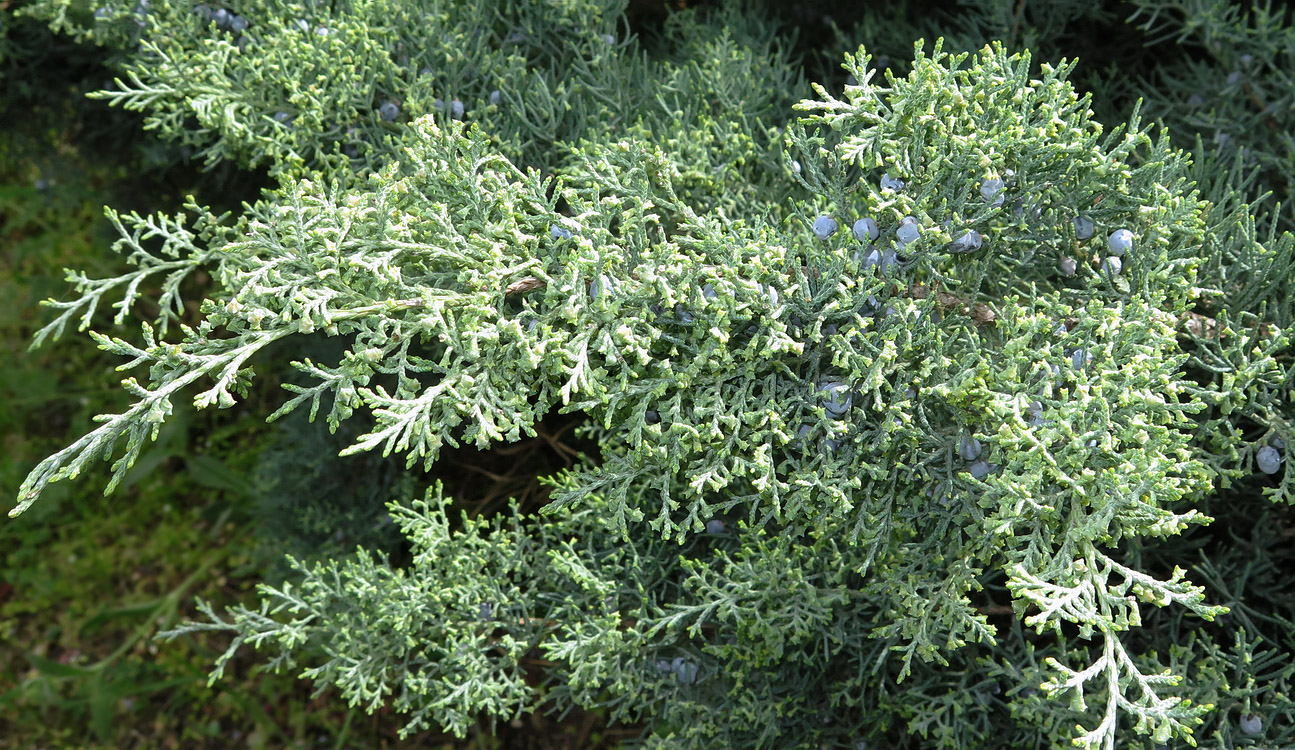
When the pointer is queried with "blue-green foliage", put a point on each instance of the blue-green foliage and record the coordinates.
(633, 237)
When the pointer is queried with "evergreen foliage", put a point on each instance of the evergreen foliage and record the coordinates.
(960, 465)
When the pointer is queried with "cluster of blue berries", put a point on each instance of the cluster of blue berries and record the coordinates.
(457, 109)
(866, 230)
(683, 669)
(970, 449)
(304, 25)
(224, 20)
(1118, 243)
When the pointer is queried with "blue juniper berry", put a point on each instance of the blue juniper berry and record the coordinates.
(866, 230)
(891, 183)
(968, 242)
(1120, 242)
(1268, 459)
(824, 227)
(989, 189)
(1084, 228)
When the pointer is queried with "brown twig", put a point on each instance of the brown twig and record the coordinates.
(523, 285)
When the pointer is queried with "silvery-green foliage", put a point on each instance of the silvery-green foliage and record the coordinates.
(340, 67)
(873, 137)
(839, 574)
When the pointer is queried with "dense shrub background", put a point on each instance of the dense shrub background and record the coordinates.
(713, 88)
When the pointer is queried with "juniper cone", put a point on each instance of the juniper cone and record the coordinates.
(990, 188)
(1268, 459)
(1120, 242)
(891, 183)
(824, 227)
(866, 230)
(1084, 228)
(968, 242)
(889, 260)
